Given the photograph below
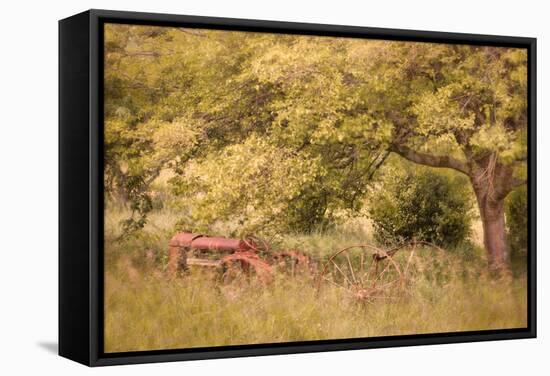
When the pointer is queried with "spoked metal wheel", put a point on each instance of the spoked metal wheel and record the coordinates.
(365, 272)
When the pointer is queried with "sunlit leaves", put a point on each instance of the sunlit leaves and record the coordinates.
(283, 131)
(439, 113)
(254, 185)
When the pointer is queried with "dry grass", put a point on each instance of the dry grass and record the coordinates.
(146, 313)
(145, 310)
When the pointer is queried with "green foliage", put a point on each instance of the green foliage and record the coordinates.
(424, 206)
(516, 222)
(228, 133)
(253, 187)
(319, 114)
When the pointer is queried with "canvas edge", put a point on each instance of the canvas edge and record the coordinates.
(73, 251)
(94, 345)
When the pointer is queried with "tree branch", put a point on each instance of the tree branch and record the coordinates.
(378, 164)
(429, 159)
(509, 186)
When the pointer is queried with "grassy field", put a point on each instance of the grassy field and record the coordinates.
(146, 310)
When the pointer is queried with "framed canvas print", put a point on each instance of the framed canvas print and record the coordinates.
(237, 187)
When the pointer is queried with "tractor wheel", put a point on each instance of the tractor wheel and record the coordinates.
(243, 265)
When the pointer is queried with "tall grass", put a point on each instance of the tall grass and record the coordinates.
(151, 312)
(146, 310)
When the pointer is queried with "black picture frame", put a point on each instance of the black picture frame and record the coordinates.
(81, 187)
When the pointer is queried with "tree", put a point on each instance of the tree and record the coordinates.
(163, 113)
(179, 95)
(476, 109)
(444, 106)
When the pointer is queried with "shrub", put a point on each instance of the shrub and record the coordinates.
(516, 223)
(422, 205)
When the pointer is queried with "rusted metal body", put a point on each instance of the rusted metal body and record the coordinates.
(199, 241)
(186, 244)
(366, 272)
(294, 262)
(247, 255)
(247, 261)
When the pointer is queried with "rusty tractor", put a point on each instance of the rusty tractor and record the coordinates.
(366, 272)
(249, 255)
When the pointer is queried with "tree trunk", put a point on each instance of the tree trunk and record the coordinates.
(492, 182)
(491, 211)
